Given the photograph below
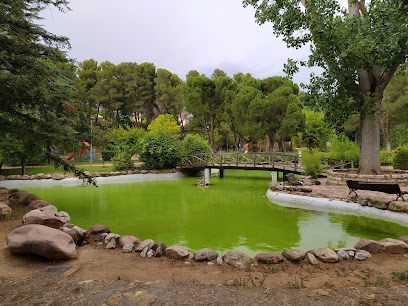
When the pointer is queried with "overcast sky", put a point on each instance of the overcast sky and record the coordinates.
(177, 35)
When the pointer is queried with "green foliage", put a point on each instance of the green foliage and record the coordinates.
(124, 163)
(125, 139)
(160, 151)
(164, 124)
(311, 161)
(168, 92)
(108, 155)
(195, 144)
(400, 160)
(316, 132)
(386, 157)
(343, 149)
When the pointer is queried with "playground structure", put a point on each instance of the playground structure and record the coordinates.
(83, 153)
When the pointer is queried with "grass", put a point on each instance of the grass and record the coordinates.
(51, 170)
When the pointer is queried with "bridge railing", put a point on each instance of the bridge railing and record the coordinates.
(241, 160)
(278, 160)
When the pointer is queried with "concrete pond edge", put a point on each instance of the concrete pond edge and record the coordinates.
(335, 206)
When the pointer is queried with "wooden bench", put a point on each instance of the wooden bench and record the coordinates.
(389, 188)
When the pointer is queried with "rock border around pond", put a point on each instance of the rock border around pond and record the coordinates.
(47, 232)
(58, 177)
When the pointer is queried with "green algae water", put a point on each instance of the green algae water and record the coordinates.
(232, 213)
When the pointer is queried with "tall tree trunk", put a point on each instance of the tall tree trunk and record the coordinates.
(23, 165)
(369, 144)
(271, 142)
(207, 132)
(1, 165)
(212, 132)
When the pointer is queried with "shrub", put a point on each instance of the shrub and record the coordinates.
(195, 144)
(108, 155)
(124, 163)
(160, 151)
(311, 162)
(386, 157)
(400, 160)
(343, 148)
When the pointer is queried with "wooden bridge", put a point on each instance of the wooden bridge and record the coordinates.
(275, 161)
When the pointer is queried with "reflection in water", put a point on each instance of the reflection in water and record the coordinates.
(233, 213)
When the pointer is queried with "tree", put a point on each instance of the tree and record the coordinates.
(316, 132)
(395, 105)
(164, 124)
(218, 73)
(360, 48)
(109, 90)
(272, 111)
(145, 75)
(169, 96)
(87, 78)
(33, 84)
(198, 96)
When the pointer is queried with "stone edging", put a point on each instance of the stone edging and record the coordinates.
(339, 177)
(57, 176)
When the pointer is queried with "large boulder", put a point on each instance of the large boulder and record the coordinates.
(393, 246)
(17, 197)
(205, 255)
(77, 233)
(294, 255)
(128, 239)
(95, 233)
(41, 240)
(29, 198)
(58, 176)
(148, 243)
(325, 255)
(39, 176)
(237, 259)
(48, 216)
(368, 245)
(37, 204)
(177, 252)
(269, 258)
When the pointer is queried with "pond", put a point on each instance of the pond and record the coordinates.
(233, 213)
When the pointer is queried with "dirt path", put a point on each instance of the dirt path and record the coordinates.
(111, 277)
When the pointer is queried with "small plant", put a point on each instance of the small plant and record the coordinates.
(311, 162)
(329, 285)
(400, 276)
(379, 281)
(296, 284)
(400, 160)
(386, 157)
(256, 282)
